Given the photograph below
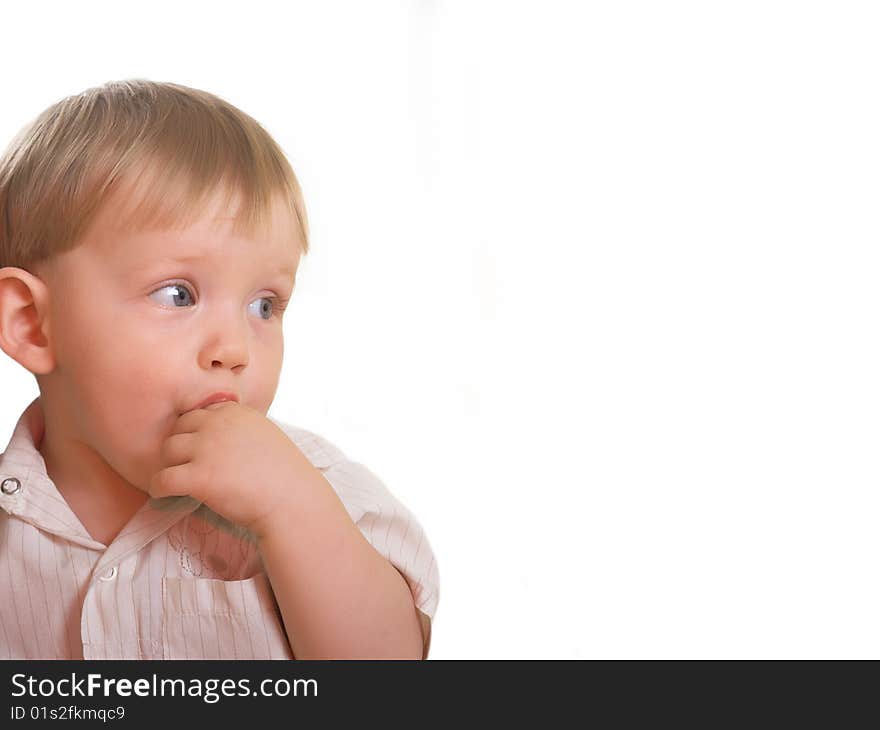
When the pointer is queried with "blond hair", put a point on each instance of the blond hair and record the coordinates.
(172, 144)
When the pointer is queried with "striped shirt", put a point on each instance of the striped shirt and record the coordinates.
(179, 581)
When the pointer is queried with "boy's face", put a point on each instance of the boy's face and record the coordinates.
(146, 325)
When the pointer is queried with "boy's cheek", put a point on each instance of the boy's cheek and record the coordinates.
(137, 456)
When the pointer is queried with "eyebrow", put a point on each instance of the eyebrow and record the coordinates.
(285, 270)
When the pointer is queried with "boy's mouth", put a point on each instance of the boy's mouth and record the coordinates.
(219, 397)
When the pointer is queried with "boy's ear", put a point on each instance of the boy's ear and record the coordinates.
(24, 320)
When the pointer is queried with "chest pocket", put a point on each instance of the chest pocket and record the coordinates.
(206, 618)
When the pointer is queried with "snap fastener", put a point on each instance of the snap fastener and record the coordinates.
(110, 574)
(10, 486)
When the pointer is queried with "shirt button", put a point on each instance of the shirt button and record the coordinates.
(110, 574)
(10, 486)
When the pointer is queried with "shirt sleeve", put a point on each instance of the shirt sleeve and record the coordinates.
(384, 521)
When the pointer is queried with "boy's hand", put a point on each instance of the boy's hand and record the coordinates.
(233, 459)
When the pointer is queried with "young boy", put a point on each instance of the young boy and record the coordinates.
(150, 239)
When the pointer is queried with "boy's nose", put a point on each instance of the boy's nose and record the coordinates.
(228, 348)
(232, 359)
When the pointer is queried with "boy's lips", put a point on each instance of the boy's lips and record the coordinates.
(219, 397)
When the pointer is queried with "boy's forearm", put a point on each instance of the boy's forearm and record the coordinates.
(339, 598)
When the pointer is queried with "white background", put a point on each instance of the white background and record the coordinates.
(593, 290)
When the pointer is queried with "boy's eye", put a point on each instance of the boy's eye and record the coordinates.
(266, 306)
(177, 295)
